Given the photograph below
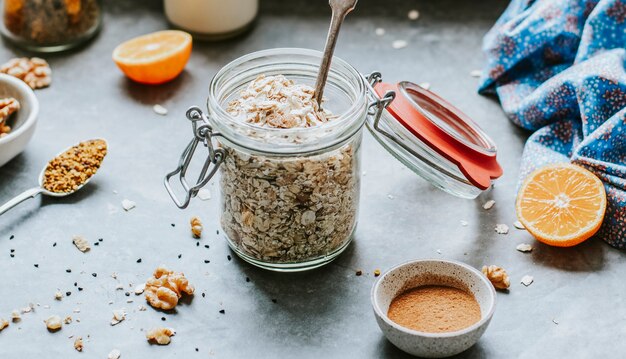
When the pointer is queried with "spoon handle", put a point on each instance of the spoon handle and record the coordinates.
(340, 9)
(30, 193)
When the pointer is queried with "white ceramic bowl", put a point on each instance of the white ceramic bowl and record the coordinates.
(432, 272)
(22, 122)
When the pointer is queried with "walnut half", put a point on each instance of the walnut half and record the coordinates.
(34, 71)
(497, 276)
(165, 288)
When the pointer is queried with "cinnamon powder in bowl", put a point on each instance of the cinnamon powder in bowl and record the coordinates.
(433, 308)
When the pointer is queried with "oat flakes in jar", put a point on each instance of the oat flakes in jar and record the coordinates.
(290, 169)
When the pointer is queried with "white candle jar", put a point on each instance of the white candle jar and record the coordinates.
(211, 19)
(290, 197)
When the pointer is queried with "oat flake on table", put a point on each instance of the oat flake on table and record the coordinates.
(204, 194)
(527, 280)
(379, 31)
(464, 223)
(399, 44)
(413, 15)
(524, 247)
(159, 110)
(114, 354)
(489, 204)
(128, 204)
(81, 243)
(502, 228)
(118, 316)
(518, 225)
(476, 73)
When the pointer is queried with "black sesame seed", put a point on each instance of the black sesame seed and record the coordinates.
(68, 270)
(206, 246)
(222, 311)
(12, 236)
(80, 289)
(100, 239)
(75, 284)
(54, 244)
(229, 257)
(180, 255)
(12, 250)
(163, 319)
(127, 294)
(36, 265)
(12, 255)
(173, 225)
(196, 349)
(274, 301)
(218, 231)
(203, 295)
(197, 244)
(67, 294)
(247, 279)
(207, 261)
(96, 243)
(94, 274)
(139, 260)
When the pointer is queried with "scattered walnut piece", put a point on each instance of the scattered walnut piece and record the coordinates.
(58, 295)
(118, 316)
(78, 344)
(165, 288)
(81, 243)
(196, 227)
(53, 323)
(114, 354)
(498, 276)
(3, 323)
(527, 280)
(160, 335)
(34, 71)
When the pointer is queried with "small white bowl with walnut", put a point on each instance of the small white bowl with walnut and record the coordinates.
(21, 122)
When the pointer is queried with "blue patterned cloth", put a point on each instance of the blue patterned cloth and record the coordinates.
(558, 68)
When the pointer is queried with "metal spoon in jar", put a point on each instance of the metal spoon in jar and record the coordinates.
(33, 192)
(340, 9)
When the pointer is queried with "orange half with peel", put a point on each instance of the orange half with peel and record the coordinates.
(561, 205)
(154, 58)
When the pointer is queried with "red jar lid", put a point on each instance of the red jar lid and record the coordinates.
(445, 129)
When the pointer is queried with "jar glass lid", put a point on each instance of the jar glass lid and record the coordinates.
(435, 139)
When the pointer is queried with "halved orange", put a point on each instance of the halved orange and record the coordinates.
(561, 205)
(154, 58)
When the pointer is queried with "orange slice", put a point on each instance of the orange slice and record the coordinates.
(154, 58)
(561, 205)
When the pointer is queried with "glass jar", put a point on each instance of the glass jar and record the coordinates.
(50, 25)
(290, 197)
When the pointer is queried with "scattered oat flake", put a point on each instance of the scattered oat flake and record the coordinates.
(15, 316)
(439, 251)
(204, 194)
(81, 243)
(58, 295)
(502, 228)
(399, 44)
(128, 204)
(28, 309)
(139, 289)
(142, 308)
(78, 344)
(77, 310)
(118, 316)
(489, 204)
(379, 31)
(555, 321)
(464, 223)
(3, 323)
(114, 354)
(518, 225)
(119, 287)
(476, 73)
(160, 335)
(159, 110)
(67, 320)
(527, 280)
(524, 247)
(413, 15)
(53, 322)
(390, 196)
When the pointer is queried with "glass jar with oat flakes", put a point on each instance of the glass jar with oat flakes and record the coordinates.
(290, 170)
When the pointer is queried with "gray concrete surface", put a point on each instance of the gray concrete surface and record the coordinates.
(575, 307)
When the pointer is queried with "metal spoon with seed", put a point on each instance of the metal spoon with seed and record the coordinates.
(35, 191)
(340, 9)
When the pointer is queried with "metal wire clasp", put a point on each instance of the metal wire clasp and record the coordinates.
(203, 133)
(378, 105)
